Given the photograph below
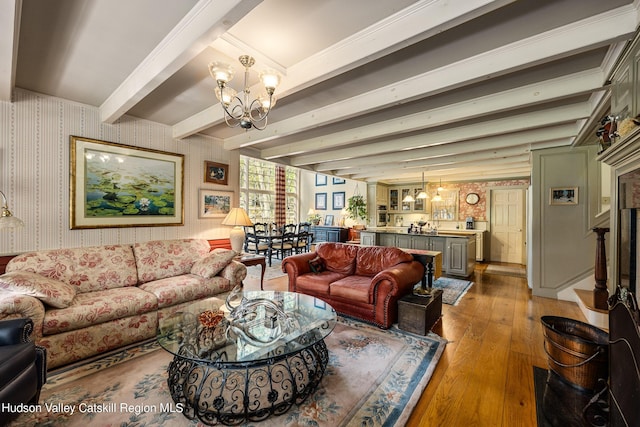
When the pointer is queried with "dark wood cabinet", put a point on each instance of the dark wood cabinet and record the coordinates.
(329, 234)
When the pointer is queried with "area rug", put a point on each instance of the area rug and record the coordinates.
(506, 270)
(452, 289)
(272, 272)
(374, 378)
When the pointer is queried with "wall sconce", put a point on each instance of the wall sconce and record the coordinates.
(7, 220)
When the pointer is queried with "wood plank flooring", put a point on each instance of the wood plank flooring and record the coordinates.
(485, 376)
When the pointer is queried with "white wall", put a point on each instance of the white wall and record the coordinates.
(309, 190)
(34, 173)
(562, 242)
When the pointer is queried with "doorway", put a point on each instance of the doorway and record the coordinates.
(507, 208)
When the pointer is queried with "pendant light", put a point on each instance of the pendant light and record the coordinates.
(423, 194)
(438, 197)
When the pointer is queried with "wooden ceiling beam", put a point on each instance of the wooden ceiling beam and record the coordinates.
(556, 43)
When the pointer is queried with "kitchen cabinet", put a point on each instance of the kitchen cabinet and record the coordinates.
(458, 252)
(461, 256)
(387, 239)
(329, 234)
(367, 238)
(397, 194)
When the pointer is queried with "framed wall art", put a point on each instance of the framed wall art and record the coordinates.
(117, 185)
(339, 180)
(214, 204)
(321, 201)
(338, 200)
(216, 173)
(321, 180)
(563, 196)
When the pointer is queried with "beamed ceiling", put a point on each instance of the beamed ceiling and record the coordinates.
(376, 90)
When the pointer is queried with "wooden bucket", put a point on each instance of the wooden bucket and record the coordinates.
(576, 351)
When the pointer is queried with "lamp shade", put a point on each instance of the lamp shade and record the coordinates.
(237, 216)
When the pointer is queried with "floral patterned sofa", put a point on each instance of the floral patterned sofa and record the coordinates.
(85, 301)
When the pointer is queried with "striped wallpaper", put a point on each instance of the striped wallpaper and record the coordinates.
(34, 172)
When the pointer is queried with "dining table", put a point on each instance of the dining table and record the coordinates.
(271, 237)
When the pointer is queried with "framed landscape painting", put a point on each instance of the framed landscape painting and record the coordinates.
(117, 185)
(215, 204)
(216, 173)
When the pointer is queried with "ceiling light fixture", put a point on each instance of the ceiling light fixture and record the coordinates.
(423, 194)
(438, 197)
(244, 112)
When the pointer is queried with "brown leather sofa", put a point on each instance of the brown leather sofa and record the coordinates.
(364, 282)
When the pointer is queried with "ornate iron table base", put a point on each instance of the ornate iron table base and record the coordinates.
(231, 393)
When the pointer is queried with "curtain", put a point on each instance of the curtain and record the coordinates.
(281, 204)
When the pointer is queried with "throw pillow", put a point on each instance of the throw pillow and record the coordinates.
(50, 291)
(213, 263)
(317, 265)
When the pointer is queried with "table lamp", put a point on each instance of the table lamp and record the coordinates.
(7, 220)
(238, 218)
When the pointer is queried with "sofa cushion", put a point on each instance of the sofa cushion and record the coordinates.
(312, 283)
(316, 265)
(159, 259)
(213, 263)
(92, 308)
(87, 269)
(353, 288)
(373, 259)
(339, 258)
(188, 287)
(50, 291)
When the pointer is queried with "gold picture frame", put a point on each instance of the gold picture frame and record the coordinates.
(115, 185)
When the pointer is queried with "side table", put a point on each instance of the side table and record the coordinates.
(418, 314)
(254, 259)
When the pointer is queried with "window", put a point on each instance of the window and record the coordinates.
(258, 190)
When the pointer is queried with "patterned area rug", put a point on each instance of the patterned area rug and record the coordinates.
(374, 378)
(269, 273)
(452, 289)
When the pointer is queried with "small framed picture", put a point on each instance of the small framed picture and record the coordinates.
(328, 220)
(321, 180)
(216, 173)
(321, 201)
(338, 200)
(563, 196)
(214, 204)
(339, 180)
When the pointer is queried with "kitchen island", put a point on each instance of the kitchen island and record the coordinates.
(458, 249)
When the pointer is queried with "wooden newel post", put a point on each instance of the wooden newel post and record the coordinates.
(601, 293)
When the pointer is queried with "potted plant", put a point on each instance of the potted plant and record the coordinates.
(314, 218)
(357, 207)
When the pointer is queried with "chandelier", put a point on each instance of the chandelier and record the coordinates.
(244, 111)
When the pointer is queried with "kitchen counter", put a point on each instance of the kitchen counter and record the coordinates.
(458, 247)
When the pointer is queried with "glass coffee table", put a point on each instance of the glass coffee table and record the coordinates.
(248, 358)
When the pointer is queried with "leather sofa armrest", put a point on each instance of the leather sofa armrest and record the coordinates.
(402, 276)
(15, 331)
(297, 265)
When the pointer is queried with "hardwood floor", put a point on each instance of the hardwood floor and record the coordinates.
(485, 376)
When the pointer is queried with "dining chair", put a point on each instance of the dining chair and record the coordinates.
(302, 242)
(261, 227)
(285, 245)
(253, 243)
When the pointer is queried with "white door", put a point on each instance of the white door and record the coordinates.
(507, 225)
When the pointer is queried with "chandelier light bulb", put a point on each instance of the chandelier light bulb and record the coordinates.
(270, 79)
(221, 72)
